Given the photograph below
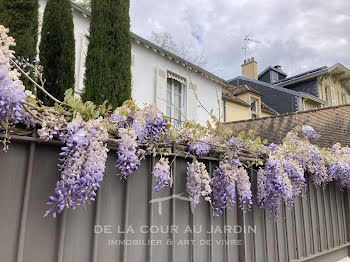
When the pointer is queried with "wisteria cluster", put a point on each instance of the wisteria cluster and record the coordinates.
(283, 178)
(198, 182)
(273, 186)
(162, 173)
(226, 178)
(83, 163)
(339, 166)
(309, 132)
(129, 157)
(145, 126)
(12, 94)
(150, 126)
(199, 149)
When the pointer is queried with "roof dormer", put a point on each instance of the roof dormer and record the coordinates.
(272, 74)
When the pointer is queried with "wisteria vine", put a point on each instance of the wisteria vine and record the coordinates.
(85, 130)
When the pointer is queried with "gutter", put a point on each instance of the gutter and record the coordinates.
(313, 98)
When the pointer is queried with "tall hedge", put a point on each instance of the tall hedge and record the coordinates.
(57, 49)
(108, 73)
(21, 17)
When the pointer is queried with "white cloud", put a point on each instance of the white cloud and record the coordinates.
(298, 34)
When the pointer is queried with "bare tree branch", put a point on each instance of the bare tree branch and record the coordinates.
(166, 41)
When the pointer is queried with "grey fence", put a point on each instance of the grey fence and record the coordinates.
(122, 225)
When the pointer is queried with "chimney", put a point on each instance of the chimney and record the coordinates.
(250, 68)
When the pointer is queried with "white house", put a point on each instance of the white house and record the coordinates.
(158, 75)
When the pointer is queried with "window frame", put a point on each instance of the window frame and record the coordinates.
(274, 73)
(172, 103)
(254, 113)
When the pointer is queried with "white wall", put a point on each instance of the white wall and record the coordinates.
(144, 69)
(144, 66)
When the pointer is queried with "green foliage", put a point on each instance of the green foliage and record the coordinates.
(57, 49)
(87, 110)
(21, 17)
(108, 73)
(251, 141)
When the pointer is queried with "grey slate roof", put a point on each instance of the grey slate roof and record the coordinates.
(303, 76)
(286, 90)
(312, 74)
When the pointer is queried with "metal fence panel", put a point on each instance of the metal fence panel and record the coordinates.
(315, 229)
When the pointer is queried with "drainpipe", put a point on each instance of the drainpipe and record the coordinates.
(225, 109)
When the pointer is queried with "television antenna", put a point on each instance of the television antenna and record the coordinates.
(246, 42)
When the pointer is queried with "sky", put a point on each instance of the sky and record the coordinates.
(299, 35)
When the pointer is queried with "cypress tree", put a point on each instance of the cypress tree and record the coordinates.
(57, 49)
(21, 17)
(108, 73)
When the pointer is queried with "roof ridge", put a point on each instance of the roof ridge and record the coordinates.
(301, 74)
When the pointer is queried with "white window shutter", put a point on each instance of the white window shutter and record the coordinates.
(191, 102)
(161, 87)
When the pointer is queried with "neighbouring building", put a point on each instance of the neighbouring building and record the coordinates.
(331, 84)
(321, 87)
(280, 99)
(242, 102)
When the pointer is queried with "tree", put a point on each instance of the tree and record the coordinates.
(57, 49)
(108, 61)
(21, 17)
(166, 41)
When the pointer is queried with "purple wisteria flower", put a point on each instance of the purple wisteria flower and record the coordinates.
(128, 155)
(272, 146)
(161, 172)
(244, 190)
(339, 166)
(199, 149)
(220, 190)
(12, 94)
(154, 131)
(309, 132)
(83, 164)
(198, 182)
(274, 186)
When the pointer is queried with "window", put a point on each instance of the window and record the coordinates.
(174, 100)
(254, 108)
(274, 76)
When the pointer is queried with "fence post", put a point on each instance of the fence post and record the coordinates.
(347, 213)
